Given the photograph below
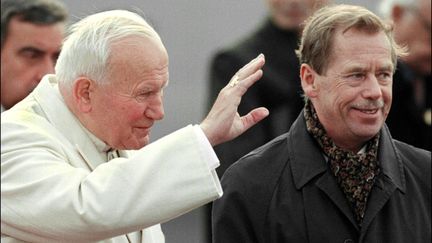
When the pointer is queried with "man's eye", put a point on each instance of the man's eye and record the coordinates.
(357, 76)
(384, 75)
(143, 96)
(31, 54)
(146, 94)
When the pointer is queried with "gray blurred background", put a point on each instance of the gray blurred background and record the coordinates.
(192, 31)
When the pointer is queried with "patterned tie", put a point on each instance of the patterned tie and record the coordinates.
(355, 173)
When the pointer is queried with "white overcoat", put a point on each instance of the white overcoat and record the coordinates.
(57, 187)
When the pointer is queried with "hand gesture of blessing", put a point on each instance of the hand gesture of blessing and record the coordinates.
(223, 123)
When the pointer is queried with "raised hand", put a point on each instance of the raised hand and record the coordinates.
(223, 123)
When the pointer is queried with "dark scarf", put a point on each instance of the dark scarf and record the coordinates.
(355, 173)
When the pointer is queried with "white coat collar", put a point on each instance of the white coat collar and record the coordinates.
(48, 96)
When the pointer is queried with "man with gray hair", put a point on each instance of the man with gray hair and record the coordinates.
(337, 175)
(31, 35)
(67, 172)
(410, 117)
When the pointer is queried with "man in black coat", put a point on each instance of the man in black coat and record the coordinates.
(337, 175)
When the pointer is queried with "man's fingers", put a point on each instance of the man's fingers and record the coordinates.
(223, 122)
(249, 69)
(250, 80)
(253, 117)
(252, 66)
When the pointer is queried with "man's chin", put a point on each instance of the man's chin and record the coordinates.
(135, 144)
(141, 143)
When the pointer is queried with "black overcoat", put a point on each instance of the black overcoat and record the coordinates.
(284, 192)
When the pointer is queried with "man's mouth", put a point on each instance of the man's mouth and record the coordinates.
(143, 129)
(369, 111)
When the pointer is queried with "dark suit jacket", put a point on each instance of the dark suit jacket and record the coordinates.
(279, 89)
(284, 192)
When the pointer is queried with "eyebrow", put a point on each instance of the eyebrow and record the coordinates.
(148, 87)
(386, 67)
(31, 49)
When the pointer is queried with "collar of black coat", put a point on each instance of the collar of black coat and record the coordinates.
(307, 160)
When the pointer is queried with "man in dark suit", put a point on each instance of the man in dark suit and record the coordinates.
(337, 175)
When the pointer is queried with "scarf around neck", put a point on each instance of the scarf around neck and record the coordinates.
(355, 172)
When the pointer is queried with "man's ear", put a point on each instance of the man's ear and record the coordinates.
(308, 80)
(82, 87)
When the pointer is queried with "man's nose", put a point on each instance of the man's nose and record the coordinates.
(372, 88)
(155, 110)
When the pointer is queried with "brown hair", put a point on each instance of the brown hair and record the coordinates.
(316, 45)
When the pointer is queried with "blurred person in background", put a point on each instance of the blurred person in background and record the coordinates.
(277, 37)
(32, 32)
(410, 117)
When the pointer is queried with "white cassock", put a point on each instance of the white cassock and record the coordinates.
(56, 185)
